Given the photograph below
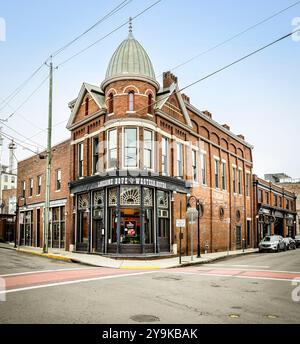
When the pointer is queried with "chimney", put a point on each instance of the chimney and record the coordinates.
(241, 137)
(169, 79)
(226, 126)
(207, 113)
(185, 98)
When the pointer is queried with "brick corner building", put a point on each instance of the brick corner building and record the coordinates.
(139, 151)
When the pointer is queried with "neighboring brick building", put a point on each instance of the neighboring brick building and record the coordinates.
(31, 198)
(139, 150)
(291, 184)
(274, 209)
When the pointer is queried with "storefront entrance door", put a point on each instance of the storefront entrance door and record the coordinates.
(99, 235)
(164, 234)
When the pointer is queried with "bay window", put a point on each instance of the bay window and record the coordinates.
(130, 147)
(112, 149)
(148, 149)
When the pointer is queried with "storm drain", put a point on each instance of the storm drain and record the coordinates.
(144, 318)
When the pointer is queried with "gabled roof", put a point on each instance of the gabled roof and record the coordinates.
(163, 97)
(94, 91)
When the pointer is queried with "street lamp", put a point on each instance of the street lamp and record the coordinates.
(17, 216)
(198, 208)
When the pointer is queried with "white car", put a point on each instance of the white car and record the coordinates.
(272, 243)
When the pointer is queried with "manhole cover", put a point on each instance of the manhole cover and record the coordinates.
(168, 278)
(144, 318)
(272, 316)
(234, 316)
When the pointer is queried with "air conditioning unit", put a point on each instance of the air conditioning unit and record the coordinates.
(163, 213)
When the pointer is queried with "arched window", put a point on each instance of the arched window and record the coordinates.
(131, 101)
(150, 104)
(86, 111)
(111, 103)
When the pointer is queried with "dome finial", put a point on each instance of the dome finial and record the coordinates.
(130, 27)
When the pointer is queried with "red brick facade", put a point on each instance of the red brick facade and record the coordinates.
(31, 202)
(274, 209)
(137, 153)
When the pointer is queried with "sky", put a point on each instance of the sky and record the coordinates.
(258, 98)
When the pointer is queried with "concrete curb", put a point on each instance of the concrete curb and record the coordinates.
(209, 260)
(7, 247)
(46, 255)
(128, 267)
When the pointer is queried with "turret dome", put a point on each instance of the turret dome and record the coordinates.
(130, 61)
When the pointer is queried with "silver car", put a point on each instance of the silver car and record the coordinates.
(272, 243)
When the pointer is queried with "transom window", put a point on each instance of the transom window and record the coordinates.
(130, 196)
(83, 201)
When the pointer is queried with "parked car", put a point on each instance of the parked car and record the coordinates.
(297, 239)
(272, 243)
(290, 243)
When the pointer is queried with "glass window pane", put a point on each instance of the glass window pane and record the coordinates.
(130, 147)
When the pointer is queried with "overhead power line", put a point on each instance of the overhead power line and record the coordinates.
(234, 36)
(224, 68)
(107, 35)
(15, 111)
(110, 14)
(34, 144)
(11, 96)
(9, 137)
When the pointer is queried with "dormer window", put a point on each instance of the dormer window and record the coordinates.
(86, 109)
(131, 101)
(150, 104)
(111, 103)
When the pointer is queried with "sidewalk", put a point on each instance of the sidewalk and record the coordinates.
(96, 260)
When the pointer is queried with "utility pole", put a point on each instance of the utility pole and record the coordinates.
(1, 145)
(48, 162)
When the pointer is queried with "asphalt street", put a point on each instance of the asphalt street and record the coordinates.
(257, 288)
